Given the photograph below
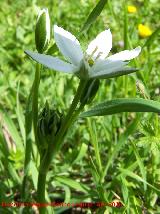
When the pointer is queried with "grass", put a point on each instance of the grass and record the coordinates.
(125, 147)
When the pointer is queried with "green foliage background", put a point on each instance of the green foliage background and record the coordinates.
(128, 143)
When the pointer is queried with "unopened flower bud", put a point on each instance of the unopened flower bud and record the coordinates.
(42, 31)
(90, 91)
(49, 122)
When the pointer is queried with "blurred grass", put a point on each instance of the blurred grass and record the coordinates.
(129, 153)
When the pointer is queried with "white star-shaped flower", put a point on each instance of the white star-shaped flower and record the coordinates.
(94, 63)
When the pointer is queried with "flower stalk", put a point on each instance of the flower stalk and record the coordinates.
(42, 39)
(57, 143)
(28, 142)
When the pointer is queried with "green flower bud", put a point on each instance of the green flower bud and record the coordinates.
(49, 122)
(42, 31)
(90, 91)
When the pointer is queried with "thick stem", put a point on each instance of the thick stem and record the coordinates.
(41, 192)
(57, 143)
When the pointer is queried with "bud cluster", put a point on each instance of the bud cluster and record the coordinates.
(49, 122)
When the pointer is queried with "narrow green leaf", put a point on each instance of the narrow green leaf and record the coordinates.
(13, 174)
(121, 142)
(28, 141)
(9, 169)
(67, 194)
(81, 153)
(123, 105)
(94, 142)
(12, 130)
(94, 14)
(126, 172)
(34, 173)
(28, 129)
(72, 183)
(20, 116)
(124, 188)
(140, 163)
(3, 146)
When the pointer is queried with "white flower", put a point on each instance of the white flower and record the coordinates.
(94, 63)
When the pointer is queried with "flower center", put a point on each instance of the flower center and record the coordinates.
(90, 59)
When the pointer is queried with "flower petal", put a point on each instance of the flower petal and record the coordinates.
(106, 66)
(52, 62)
(114, 73)
(68, 45)
(101, 45)
(126, 55)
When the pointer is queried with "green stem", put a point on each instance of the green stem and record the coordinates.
(41, 192)
(35, 101)
(28, 143)
(31, 112)
(58, 142)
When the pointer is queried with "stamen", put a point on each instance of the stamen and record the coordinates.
(89, 58)
(96, 48)
(99, 54)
